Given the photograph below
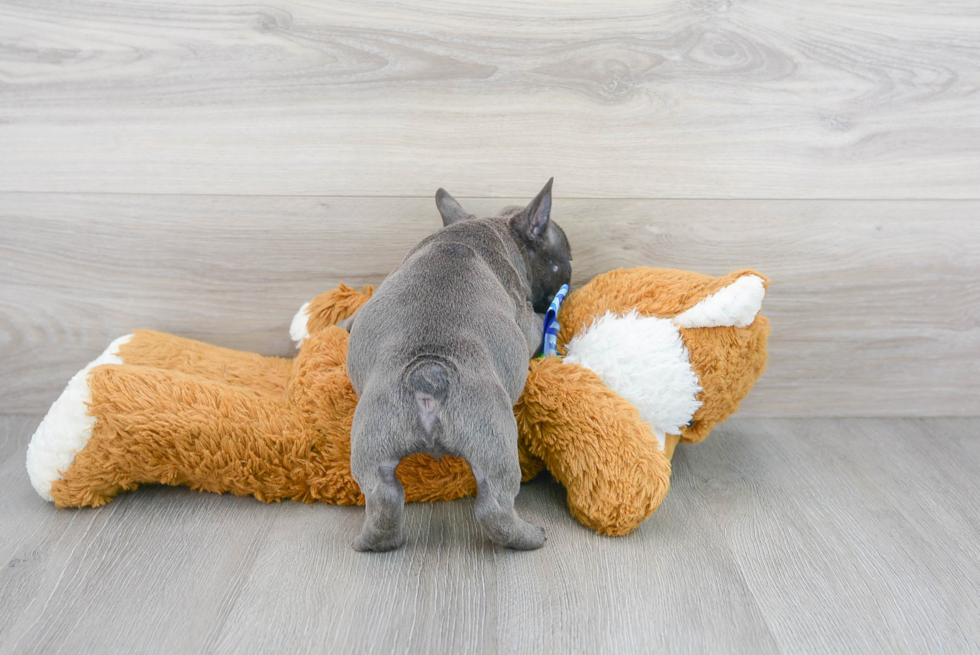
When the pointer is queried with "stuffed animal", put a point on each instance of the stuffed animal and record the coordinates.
(652, 357)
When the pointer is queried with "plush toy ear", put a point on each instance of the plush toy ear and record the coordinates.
(733, 306)
(531, 222)
(329, 308)
(450, 210)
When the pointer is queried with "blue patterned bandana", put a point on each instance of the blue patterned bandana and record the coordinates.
(551, 324)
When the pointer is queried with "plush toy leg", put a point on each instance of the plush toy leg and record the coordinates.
(166, 351)
(599, 448)
(67, 427)
(158, 426)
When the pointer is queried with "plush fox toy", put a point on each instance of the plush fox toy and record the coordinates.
(652, 357)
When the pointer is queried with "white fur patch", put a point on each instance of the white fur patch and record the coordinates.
(67, 427)
(644, 360)
(298, 329)
(734, 306)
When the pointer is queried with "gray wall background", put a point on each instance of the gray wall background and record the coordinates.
(204, 170)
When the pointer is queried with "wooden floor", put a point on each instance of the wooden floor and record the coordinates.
(778, 536)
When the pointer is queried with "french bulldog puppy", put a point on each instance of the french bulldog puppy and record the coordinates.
(438, 357)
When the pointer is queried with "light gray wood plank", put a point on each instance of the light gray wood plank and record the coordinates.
(631, 98)
(168, 570)
(779, 535)
(18, 501)
(831, 523)
(937, 460)
(873, 303)
(668, 587)
(15, 433)
(155, 571)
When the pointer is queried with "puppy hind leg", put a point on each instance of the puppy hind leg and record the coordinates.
(384, 508)
(373, 464)
(495, 509)
(497, 469)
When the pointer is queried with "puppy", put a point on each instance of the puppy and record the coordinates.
(438, 357)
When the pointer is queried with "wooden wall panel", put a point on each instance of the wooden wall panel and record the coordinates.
(875, 305)
(619, 99)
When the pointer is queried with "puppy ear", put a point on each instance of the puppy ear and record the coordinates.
(450, 210)
(532, 221)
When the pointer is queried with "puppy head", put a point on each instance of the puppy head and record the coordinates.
(548, 253)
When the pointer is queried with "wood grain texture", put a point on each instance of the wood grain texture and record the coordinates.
(204, 169)
(630, 98)
(873, 520)
(779, 535)
(874, 304)
(159, 576)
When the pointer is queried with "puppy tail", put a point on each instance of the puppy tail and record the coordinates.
(429, 380)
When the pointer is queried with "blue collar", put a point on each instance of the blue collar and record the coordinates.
(551, 324)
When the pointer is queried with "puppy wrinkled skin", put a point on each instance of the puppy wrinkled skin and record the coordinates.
(439, 355)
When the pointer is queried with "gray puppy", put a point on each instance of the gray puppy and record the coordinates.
(438, 357)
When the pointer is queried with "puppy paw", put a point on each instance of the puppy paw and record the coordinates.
(378, 542)
(527, 537)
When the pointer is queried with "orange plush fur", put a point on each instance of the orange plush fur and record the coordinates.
(181, 412)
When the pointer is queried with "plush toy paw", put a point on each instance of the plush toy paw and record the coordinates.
(595, 444)
(67, 427)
